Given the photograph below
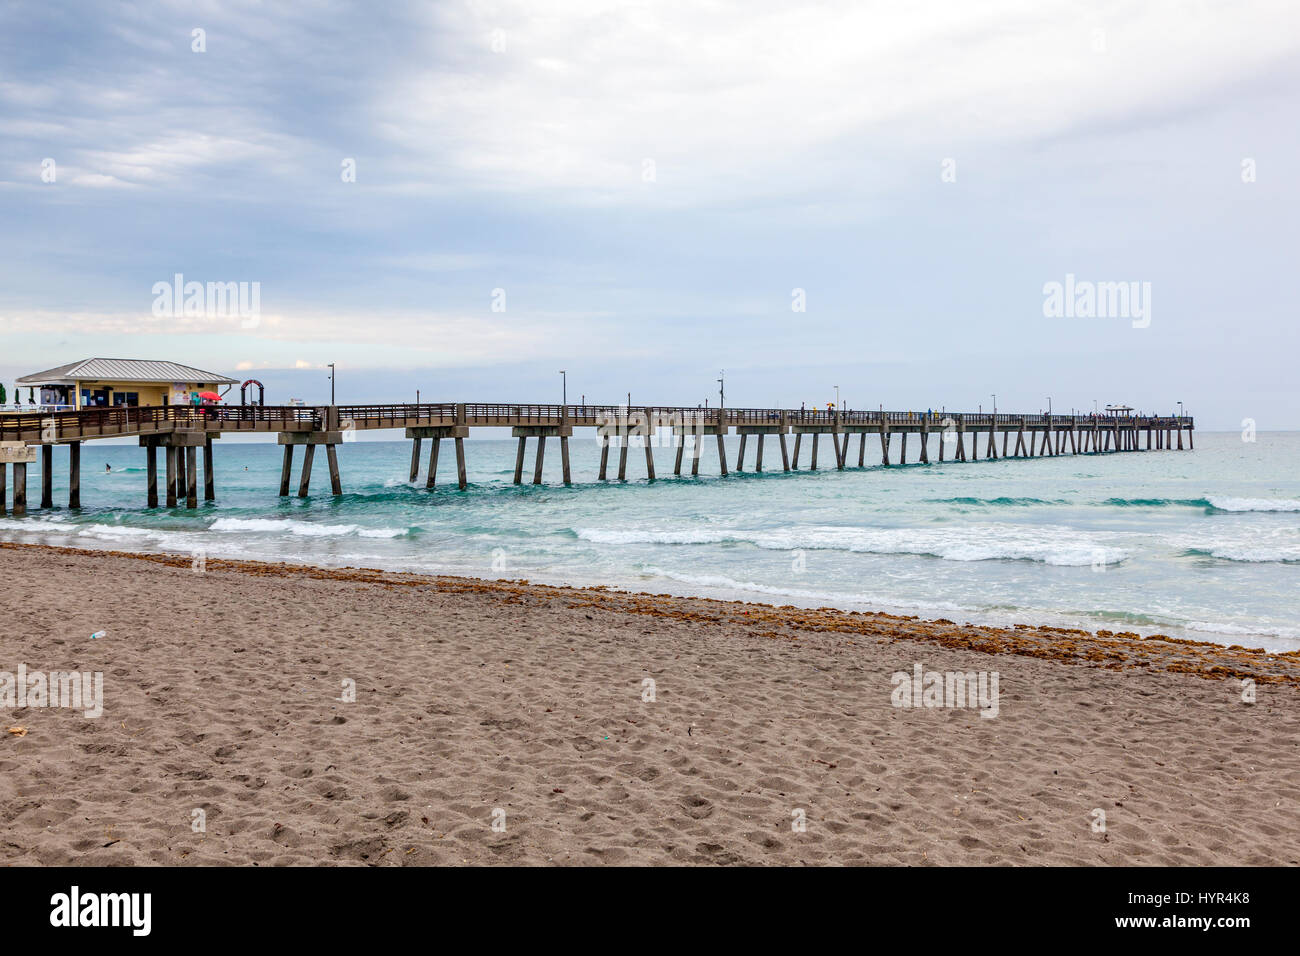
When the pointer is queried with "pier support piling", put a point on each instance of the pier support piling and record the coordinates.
(430, 479)
(171, 475)
(415, 459)
(191, 477)
(722, 455)
(541, 455)
(74, 474)
(564, 459)
(209, 475)
(336, 482)
(304, 480)
(461, 478)
(20, 489)
(47, 473)
(286, 470)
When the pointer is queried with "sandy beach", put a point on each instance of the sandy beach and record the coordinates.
(505, 722)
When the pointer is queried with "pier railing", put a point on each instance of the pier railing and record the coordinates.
(126, 420)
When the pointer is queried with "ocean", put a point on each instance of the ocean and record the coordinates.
(1202, 544)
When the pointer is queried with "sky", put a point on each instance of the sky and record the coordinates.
(465, 198)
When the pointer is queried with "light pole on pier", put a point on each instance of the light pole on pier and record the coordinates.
(564, 386)
(1049, 406)
(722, 388)
(837, 398)
(1180, 409)
(331, 368)
(995, 403)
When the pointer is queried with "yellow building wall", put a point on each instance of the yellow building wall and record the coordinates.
(150, 393)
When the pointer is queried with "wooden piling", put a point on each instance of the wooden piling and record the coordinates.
(649, 458)
(722, 452)
(564, 459)
(286, 471)
(813, 466)
(430, 479)
(622, 456)
(47, 472)
(331, 456)
(884, 441)
(415, 459)
(20, 489)
(171, 452)
(541, 454)
(209, 478)
(604, 457)
(925, 442)
(798, 439)
(758, 455)
(74, 474)
(902, 449)
(304, 481)
(785, 457)
(191, 477)
(740, 455)
(681, 452)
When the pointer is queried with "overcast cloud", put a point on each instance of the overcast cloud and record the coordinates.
(649, 183)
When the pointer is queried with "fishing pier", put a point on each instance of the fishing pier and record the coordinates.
(183, 431)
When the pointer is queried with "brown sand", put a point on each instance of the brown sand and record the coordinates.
(221, 694)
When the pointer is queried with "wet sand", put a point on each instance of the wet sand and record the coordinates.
(481, 703)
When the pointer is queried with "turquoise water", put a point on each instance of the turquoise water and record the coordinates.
(1202, 544)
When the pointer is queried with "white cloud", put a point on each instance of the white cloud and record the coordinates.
(738, 99)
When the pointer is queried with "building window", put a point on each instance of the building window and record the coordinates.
(126, 398)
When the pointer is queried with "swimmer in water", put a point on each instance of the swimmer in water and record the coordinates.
(107, 467)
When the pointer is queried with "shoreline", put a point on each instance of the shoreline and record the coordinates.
(741, 593)
(477, 698)
(1079, 644)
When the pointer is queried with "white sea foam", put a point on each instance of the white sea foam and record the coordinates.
(118, 531)
(1047, 544)
(1223, 503)
(52, 525)
(307, 529)
(722, 582)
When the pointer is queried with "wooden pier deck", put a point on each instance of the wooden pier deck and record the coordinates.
(182, 431)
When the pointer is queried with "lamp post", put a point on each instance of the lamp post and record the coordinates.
(1180, 409)
(1049, 406)
(331, 368)
(995, 403)
(837, 398)
(564, 386)
(722, 388)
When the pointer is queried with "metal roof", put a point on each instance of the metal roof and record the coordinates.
(124, 370)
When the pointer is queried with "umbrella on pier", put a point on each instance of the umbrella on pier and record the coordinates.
(210, 396)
